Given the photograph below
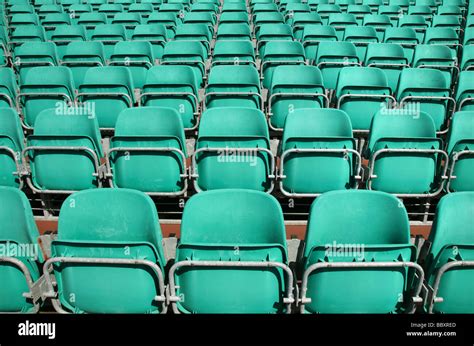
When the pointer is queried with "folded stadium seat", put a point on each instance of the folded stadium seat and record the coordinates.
(155, 3)
(76, 10)
(341, 21)
(294, 8)
(421, 10)
(426, 90)
(468, 37)
(96, 4)
(51, 21)
(233, 52)
(266, 18)
(233, 86)
(444, 36)
(27, 33)
(436, 57)
(405, 156)
(81, 56)
(404, 4)
(359, 11)
(313, 4)
(19, 271)
(405, 37)
(176, 9)
(195, 32)
(317, 140)
(294, 87)
(449, 264)
(109, 35)
(42, 88)
(148, 151)
(67, 4)
(233, 151)
(43, 4)
(343, 4)
(272, 32)
(110, 89)
(11, 145)
(234, 18)
(453, 22)
(209, 276)
(8, 88)
(392, 11)
(128, 20)
(4, 39)
(373, 4)
(352, 266)
(313, 35)
(64, 151)
(110, 10)
(380, 22)
(449, 10)
(325, 10)
(267, 7)
(4, 58)
(46, 9)
(465, 91)
(460, 149)
(332, 57)
(123, 281)
(432, 4)
(233, 32)
(20, 8)
(361, 37)
(361, 92)
(415, 22)
(23, 19)
(91, 21)
(167, 19)
(189, 53)
(390, 58)
(207, 7)
(155, 34)
(467, 62)
(228, 7)
(144, 10)
(206, 18)
(279, 53)
(32, 54)
(300, 20)
(174, 87)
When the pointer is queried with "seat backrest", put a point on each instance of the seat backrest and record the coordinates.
(84, 50)
(50, 76)
(29, 50)
(172, 75)
(131, 49)
(462, 128)
(108, 76)
(338, 50)
(10, 127)
(284, 50)
(421, 80)
(234, 75)
(362, 78)
(184, 49)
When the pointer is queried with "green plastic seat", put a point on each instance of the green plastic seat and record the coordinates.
(279, 53)
(465, 91)
(76, 10)
(128, 20)
(460, 149)
(429, 91)
(32, 54)
(173, 86)
(234, 32)
(373, 4)
(175, 8)
(80, 56)
(189, 53)
(390, 58)
(406, 37)
(8, 87)
(195, 32)
(18, 232)
(272, 32)
(11, 145)
(361, 92)
(91, 20)
(27, 33)
(467, 62)
(207, 18)
(266, 18)
(317, 140)
(292, 8)
(154, 3)
(215, 224)
(449, 10)
(443, 21)
(207, 7)
(300, 20)
(156, 172)
(331, 57)
(23, 19)
(67, 4)
(142, 9)
(110, 89)
(167, 19)
(344, 4)
(42, 88)
(229, 7)
(52, 21)
(155, 34)
(55, 166)
(313, 35)
(452, 242)
(110, 10)
(234, 18)
(232, 150)
(233, 52)
(325, 10)
(421, 10)
(416, 22)
(344, 255)
(129, 222)
(393, 11)
(313, 4)
(380, 22)
(393, 169)
(109, 35)
(137, 56)
(292, 88)
(359, 11)
(468, 37)
(437, 57)
(443, 36)
(361, 37)
(233, 86)
(341, 21)
(96, 3)
(65, 34)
